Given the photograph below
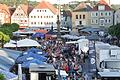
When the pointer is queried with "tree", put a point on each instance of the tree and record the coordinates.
(115, 30)
(2, 77)
(8, 28)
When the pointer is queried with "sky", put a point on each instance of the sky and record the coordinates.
(66, 1)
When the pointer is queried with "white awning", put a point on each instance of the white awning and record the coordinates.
(62, 73)
(109, 74)
(27, 43)
(9, 45)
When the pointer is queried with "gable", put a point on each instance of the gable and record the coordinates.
(19, 13)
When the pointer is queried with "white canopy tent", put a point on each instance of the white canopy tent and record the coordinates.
(9, 45)
(27, 43)
(73, 37)
(83, 44)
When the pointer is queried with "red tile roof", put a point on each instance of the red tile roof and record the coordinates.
(46, 5)
(5, 8)
(102, 2)
(83, 7)
(26, 8)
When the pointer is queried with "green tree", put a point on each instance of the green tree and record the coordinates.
(115, 30)
(8, 28)
(2, 77)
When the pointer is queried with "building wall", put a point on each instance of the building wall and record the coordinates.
(19, 17)
(43, 18)
(101, 18)
(117, 17)
(4, 16)
(85, 21)
(66, 22)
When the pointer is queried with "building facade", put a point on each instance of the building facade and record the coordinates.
(81, 15)
(66, 20)
(4, 14)
(20, 15)
(102, 15)
(117, 17)
(44, 15)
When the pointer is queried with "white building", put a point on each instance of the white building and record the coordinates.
(117, 17)
(102, 15)
(44, 15)
(20, 15)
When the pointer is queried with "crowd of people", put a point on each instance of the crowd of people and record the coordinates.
(64, 56)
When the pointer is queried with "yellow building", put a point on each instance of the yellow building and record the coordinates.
(81, 16)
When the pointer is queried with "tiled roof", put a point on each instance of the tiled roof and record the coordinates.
(26, 8)
(46, 5)
(82, 7)
(102, 2)
(5, 8)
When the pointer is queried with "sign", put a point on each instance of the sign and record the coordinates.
(92, 61)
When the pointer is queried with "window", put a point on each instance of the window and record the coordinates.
(109, 20)
(38, 16)
(21, 20)
(102, 21)
(80, 22)
(41, 22)
(40, 10)
(76, 16)
(37, 10)
(83, 16)
(109, 13)
(106, 20)
(47, 16)
(106, 13)
(31, 16)
(25, 20)
(34, 22)
(96, 14)
(96, 21)
(101, 7)
(80, 16)
(51, 16)
(31, 22)
(34, 16)
(92, 21)
(101, 14)
(41, 16)
(45, 10)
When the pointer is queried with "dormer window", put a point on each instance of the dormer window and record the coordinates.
(101, 7)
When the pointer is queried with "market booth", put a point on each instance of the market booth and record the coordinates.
(42, 72)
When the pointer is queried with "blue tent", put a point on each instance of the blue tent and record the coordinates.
(8, 75)
(35, 61)
(36, 51)
(30, 56)
(38, 35)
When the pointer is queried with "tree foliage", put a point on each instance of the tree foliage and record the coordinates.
(115, 30)
(8, 28)
(2, 77)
